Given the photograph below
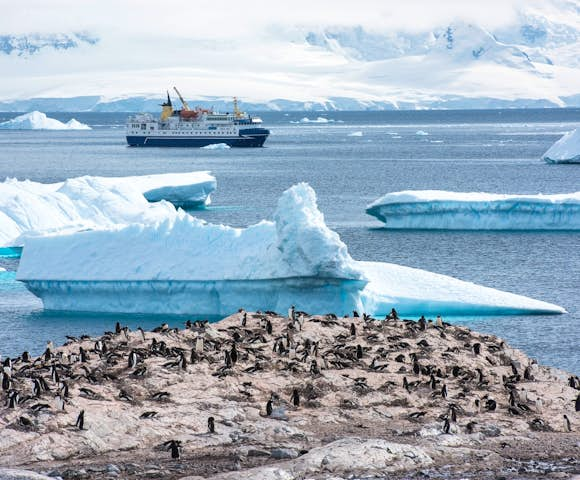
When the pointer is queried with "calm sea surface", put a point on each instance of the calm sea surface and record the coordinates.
(491, 151)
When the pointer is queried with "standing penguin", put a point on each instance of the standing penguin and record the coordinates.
(133, 359)
(244, 319)
(211, 425)
(578, 403)
(439, 321)
(567, 425)
(269, 408)
(174, 446)
(359, 352)
(352, 330)
(292, 313)
(234, 354)
(295, 398)
(80, 423)
(199, 345)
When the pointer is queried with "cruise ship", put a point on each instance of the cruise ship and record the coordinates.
(196, 127)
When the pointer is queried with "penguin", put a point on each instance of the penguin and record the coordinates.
(359, 352)
(199, 345)
(25, 357)
(13, 399)
(577, 404)
(133, 359)
(446, 426)
(211, 425)
(269, 408)
(142, 332)
(54, 374)
(567, 425)
(439, 321)
(269, 327)
(244, 319)
(292, 313)
(227, 359)
(355, 314)
(63, 388)
(477, 348)
(234, 354)
(405, 384)
(528, 374)
(80, 423)
(174, 446)
(47, 355)
(444, 391)
(83, 355)
(314, 368)
(59, 402)
(352, 330)
(295, 398)
(117, 328)
(6, 381)
(416, 368)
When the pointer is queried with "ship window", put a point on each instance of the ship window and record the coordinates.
(143, 126)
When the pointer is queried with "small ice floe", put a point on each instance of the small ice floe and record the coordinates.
(39, 121)
(421, 132)
(356, 134)
(217, 146)
(435, 141)
(565, 150)
(316, 120)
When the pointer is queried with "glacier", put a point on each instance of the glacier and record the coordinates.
(184, 265)
(30, 208)
(39, 121)
(435, 209)
(565, 150)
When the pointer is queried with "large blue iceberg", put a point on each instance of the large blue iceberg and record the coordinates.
(183, 265)
(435, 209)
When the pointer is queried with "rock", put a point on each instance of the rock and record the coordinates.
(258, 453)
(16, 474)
(349, 456)
(490, 430)
(284, 453)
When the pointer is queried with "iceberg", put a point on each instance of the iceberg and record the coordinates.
(30, 208)
(39, 121)
(316, 120)
(216, 146)
(183, 265)
(435, 209)
(565, 150)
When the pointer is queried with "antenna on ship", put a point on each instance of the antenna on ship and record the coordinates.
(237, 112)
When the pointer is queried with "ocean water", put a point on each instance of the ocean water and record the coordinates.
(493, 151)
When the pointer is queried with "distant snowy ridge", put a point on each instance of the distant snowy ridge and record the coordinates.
(565, 150)
(39, 121)
(184, 265)
(26, 45)
(30, 208)
(435, 209)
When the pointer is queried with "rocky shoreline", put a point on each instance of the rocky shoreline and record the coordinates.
(260, 396)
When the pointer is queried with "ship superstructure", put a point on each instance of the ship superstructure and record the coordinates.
(196, 127)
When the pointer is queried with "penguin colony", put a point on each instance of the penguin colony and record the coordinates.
(391, 377)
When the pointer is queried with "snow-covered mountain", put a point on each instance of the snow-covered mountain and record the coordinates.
(530, 60)
(25, 45)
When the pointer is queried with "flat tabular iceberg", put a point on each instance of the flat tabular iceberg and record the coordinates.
(183, 265)
(30, 208)
(565, 150)
(39, 121)
(434, 209)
